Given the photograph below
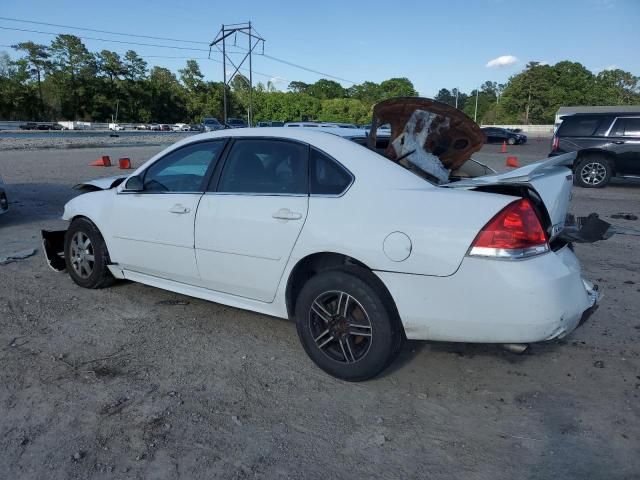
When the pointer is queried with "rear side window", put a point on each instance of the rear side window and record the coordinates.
(626, 127)
(327, 176)
(579, 126)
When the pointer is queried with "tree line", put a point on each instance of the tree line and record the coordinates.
(65, 81)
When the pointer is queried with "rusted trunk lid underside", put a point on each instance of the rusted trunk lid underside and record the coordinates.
(431, 136)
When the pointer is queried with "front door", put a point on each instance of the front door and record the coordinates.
(153, 229)
(247, 226)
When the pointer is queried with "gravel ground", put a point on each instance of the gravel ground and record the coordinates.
(53, 140)
(136, 382)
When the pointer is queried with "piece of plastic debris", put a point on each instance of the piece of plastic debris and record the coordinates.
(625, 216)
(17, 256)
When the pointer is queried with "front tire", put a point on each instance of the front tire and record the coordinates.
(511, 141)
(593, 172)
(86, 255)
(347, 325)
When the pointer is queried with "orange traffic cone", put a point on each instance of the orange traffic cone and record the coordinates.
(512, 162)
(124, 163)
(105, 161)
(504, 147)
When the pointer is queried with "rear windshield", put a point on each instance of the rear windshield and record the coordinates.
(579, 126)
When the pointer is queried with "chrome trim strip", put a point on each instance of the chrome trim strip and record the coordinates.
(508, 253)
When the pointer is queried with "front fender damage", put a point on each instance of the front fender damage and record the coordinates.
(53, 248)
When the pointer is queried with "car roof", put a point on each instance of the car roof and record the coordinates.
(375, 170)
(601, 114)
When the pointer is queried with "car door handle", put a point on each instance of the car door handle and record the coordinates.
(619, 142)
(178, 208)
(286, 214)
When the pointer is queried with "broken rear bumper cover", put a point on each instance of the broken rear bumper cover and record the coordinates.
(523, 301)
(53, 248)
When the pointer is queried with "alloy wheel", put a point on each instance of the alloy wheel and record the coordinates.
(82, 255)
(593, 173)
(340, 326)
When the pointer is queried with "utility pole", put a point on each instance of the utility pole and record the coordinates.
(475, 114)
(254, 40)
(456, 97)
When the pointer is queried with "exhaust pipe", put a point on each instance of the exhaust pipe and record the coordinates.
(517, 348)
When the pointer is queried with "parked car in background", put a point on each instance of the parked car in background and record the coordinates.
(141, 126)
(116, 127)
(236, 123)
(4, 201)
(180, 127)
(608, 145)
(276, 123)
(499, 135)
(165, 127)
(28, 126)
(155, 127)
(211, 124)
(196, 127)
(263, 124)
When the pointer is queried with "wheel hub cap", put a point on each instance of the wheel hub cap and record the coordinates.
(340, 326)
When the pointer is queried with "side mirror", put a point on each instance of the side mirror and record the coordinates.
(134, 184)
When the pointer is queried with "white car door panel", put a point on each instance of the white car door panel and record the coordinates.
(241, 247)
(153, 234)
(246, 230)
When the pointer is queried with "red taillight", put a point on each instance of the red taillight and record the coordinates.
(514, 232)
(555, 143)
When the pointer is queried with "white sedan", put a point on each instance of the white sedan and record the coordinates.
(359, 251)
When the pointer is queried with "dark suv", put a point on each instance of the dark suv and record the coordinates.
(608, 144)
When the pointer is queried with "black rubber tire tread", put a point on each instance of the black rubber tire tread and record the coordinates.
(388, 335)
(101, 276)
(591, 158)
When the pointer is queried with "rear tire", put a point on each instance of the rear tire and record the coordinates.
(86, 255)
(347, 325)
(593, 171)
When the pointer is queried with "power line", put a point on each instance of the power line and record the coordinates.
(275, 59)
(305, 68)
(104, 31)
(107, 40)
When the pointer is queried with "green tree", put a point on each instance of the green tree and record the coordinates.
(324, 89)
(37, 57)
(73, 72)
(397, 87)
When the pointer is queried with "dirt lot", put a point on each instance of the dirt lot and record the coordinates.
(135, 382)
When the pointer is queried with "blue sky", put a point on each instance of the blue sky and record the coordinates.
(434, 44)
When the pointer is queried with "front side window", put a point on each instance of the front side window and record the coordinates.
(183, 170)
(276, 167)
(626, 127)
(326, 176)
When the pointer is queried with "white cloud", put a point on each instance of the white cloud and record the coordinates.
(611, 67)
(502, 61)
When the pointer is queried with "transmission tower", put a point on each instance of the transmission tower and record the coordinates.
(254, 40)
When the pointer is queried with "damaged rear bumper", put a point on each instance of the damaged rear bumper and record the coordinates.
(493, 301)
(53, 248)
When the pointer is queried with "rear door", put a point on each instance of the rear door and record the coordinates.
(624, 138)
(248, 223)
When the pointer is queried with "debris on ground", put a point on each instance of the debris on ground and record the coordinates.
(172, 302)
(17, 256)
(598, 364)
(625, 216)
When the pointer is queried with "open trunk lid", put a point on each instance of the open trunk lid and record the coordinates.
(551, 179)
